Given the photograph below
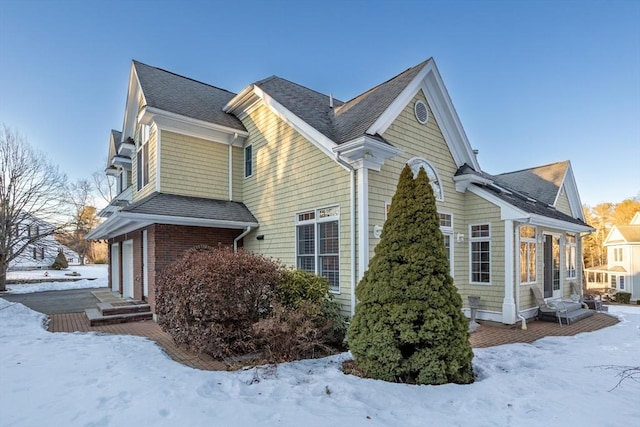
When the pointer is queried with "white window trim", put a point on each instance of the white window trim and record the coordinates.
(317, 220)
(144, 136)
(480, 239)
(529, 240)
(569, 245)
(244, 162)
(448, 230)
(416, 159)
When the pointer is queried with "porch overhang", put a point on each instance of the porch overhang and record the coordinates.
(125, 222)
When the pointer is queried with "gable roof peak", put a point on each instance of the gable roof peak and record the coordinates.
(138, 63)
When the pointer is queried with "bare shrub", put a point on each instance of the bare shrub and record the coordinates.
(210, 299)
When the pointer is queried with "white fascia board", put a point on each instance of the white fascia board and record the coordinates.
(366, 152)
(462, 182)
(544, 221)
(321, 142)
(507, 211)
(242, 103)
(187, 221)
(125, 222)
(571, 189)
(184, 125)
(429, 80)
(131, 107)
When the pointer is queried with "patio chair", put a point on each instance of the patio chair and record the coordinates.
(549, 309)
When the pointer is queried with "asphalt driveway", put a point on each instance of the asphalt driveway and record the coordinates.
(56, 302)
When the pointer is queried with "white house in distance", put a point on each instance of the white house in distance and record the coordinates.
(41, 253)
(622, 272)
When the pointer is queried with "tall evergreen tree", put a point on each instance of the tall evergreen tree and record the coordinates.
(408, 324)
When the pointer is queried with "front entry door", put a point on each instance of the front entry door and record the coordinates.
(115, 267)
(127, 269)
(552, 266)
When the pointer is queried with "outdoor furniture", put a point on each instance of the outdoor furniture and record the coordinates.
(545, 309)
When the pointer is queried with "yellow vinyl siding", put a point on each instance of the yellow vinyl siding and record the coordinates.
(562, 204)
(194, 167)
(291, 175)
(418, 140)
(151, 185)
(238, 173)
(491, 295)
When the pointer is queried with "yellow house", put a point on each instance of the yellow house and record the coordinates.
(299, 176)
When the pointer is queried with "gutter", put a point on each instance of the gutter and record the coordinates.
(244, 233)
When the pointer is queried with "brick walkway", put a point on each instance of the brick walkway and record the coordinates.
(488, 334)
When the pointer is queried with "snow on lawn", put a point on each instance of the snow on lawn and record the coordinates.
(95, 276)
(87, 379)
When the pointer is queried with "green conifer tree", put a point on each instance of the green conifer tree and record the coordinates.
(408, 324)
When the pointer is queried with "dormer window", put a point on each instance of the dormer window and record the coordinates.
(418, 162)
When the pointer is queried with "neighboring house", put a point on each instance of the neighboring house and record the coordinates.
(42, 252)
(300, 176)
(622, 272)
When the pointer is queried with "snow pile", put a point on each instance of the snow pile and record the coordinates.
(91, 276)
(109, 380)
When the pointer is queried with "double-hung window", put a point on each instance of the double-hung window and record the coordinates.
(142, 157)
(318, 243)
(480, 253)
(570, 256)
(527, 254)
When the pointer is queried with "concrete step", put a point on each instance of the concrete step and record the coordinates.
(568, 318)
(123, 307)
(97, 318)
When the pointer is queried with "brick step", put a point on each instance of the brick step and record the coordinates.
(97, 318)
(123, 307)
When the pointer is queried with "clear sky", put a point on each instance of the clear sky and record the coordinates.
(533, 82)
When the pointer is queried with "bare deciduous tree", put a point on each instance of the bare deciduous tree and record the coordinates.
(32, 192)
(104, 185)
(83, 218)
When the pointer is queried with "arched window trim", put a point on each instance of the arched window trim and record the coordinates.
(421, 160)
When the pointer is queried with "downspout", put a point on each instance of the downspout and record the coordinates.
(235, 241)
(516, 239)
(352, 208)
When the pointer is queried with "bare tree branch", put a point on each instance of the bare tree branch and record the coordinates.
(32, 191)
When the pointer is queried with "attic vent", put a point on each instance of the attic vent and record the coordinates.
(422, 113)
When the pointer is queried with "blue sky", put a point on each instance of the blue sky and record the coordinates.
(533, 82)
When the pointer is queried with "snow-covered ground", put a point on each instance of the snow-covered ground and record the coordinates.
(95, 276)
(87, 379)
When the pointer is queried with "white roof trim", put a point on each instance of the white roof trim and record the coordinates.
(242, 102)
(508, 211)
(178, 123)
(126, 222)
(430, 81)
(366, 151)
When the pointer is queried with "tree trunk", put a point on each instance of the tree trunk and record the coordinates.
(3, 275)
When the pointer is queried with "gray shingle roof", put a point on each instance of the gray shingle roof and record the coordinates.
(541, 182)
(191, 207)
(354, 117)
(347, 120)
(529, 188)
(181, 95)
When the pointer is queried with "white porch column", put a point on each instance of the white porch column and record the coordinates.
(508, 304)
(363, 220)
